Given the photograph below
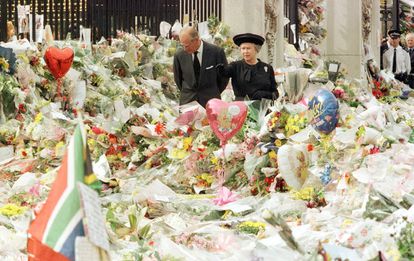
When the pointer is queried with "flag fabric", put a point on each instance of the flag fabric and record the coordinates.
(52, 234)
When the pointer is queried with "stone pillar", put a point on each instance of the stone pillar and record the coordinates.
(376, 32)
(245, 16)
(280, 36)
(344, 35)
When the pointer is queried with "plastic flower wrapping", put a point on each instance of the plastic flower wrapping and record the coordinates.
(311, 14)
(171, 192)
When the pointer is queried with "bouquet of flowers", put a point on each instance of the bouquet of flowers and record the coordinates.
(385, 91)
(4, 65)
(284, 122)
(9, 88)
(255, 228)
(311, 14)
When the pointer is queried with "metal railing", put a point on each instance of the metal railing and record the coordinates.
(104, 17)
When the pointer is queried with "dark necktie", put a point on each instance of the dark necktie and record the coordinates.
(196, 66)
(394, 61)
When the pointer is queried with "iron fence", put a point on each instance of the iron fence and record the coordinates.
(104, 17)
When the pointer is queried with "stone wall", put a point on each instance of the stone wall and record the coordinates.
(344, 35)
(245, 16)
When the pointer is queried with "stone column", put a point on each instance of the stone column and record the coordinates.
(376, 33)
(245, 16)
(344, 35)
(280, 36)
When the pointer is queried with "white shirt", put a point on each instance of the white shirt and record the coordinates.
(200, 53)
(403, 60)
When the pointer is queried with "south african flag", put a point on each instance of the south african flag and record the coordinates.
(53, 232)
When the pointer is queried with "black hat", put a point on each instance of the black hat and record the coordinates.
(248, 38)
(394, 33)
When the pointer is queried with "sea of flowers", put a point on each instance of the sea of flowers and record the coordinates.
(283, 191)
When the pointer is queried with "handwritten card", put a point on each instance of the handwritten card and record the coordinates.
(79, 94)
(85, 250)
(92, 217)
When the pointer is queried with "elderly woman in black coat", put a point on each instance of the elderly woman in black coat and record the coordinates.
(250, 77)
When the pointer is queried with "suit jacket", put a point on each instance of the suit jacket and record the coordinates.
(210, 85)
(411, 58)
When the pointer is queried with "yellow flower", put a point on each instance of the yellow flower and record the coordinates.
(12, 210)
(214, 160)
(303, 194)
(278, 143)
(38, 117)
(251, 227)
(346, 223)
(207, 177)
(4, 64)
(178, 153)
(91, 143)
(187, 143)
(253, 224)
(59, 148)
(112, 158)
(148, 164)
(227, 214)
(272, 154)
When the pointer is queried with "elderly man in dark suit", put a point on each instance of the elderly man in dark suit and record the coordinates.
(409, 38)
(195, 70)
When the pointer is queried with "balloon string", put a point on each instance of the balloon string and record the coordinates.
(59, 84)
(221, 177)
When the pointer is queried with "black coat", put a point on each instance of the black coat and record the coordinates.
(255, 81)
(210, 83)
(411, 58)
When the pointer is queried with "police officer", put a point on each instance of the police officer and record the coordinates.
(396, 59)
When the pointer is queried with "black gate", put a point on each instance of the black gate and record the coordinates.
(390, 15)
(104, 17)
(128, 15)
(63, 16)
(291, 12)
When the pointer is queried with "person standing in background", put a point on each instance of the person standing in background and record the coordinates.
(409, 38)
(195, 70)
(384, 47)
(396, 59)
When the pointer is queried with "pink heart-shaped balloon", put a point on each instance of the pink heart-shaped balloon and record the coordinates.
(225, 119)
(58, 60)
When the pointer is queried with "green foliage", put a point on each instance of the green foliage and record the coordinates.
(8, 87)
(406, 241)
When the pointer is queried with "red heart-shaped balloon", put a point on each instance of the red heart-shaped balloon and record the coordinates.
(225, 119)
(58, 60)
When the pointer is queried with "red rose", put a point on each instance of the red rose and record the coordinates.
(159, 128)
(112, 138)
(374, 150)
(254, 191)
(22, 108)
(97, 130)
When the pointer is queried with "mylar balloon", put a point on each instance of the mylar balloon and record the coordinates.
(324, 107)
(59, 61)
(293, 162)
(225, 119)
